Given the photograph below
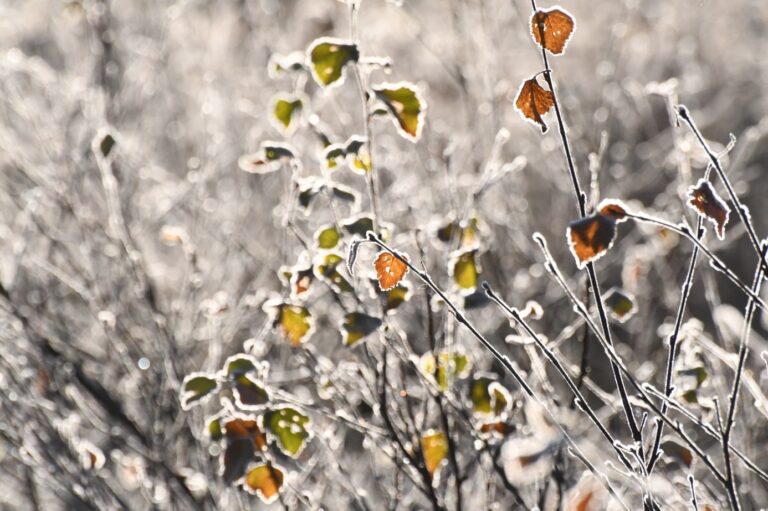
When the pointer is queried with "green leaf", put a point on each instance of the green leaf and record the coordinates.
(286, 110)
(290, 427)
(195, 387)
(309, 188)
(620, 304)
(700, 373)
(327, 270)
(249, 393)
(406, 105)
(396, 296)
(214, 427)
(240, 364)
(358, 225)
(344, 193)
(294, 321)
(333, 154)
(106, 143)
(464, 269)
(270, 157)
(488, 397)
(475, 300)
(327, 237)
(328, 58)
(451, 365)
(358, 157)
(356, 326)
(283, 64)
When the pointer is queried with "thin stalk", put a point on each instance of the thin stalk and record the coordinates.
(579, 399)
(502, 359)
(734, 397)
(354, 8)
(581, 199)
(717, 263)
(741, 210)
(685, 293)
(581, 309)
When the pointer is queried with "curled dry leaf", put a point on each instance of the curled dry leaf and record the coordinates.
(243, 439)
(705, 200)
(533, 101)
(589, 238)
(389, 270)
(613, 209)
(552, 29)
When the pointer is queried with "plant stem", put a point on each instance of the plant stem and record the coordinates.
(734, 397)
(581, 200)
(741, 210)
(354, 8)
(717, 263)
(685, 293)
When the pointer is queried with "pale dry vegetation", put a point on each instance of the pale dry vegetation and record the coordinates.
(145, 237)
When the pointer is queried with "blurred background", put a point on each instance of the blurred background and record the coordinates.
(116, 284)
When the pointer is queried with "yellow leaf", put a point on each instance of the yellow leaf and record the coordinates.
(265, 481)
(434, 446)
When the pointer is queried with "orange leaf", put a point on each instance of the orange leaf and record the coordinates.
(591, 237)
(389, 270)
(554, 27)
(265, 481)
(533, 101)
(704, 199)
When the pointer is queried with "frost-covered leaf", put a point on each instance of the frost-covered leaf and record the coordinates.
(620, 304)
(285, 112)
(327, 237)
(269, 158)
(406, 105)
(464, 269)
(290, 427)
(707, 203)
(264, 480)
(434, 446)
(195, 387)
(327, 269)
(328, 58)
(390, 270)
(357, 325)
(294, 321)
(552, 28)
(533, 101)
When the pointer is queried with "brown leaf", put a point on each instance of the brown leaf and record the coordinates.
(389, 270)
(555, 26)
(613, 209)
(244, 439)
(591, 237)
(705, 200)
(533, 101)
